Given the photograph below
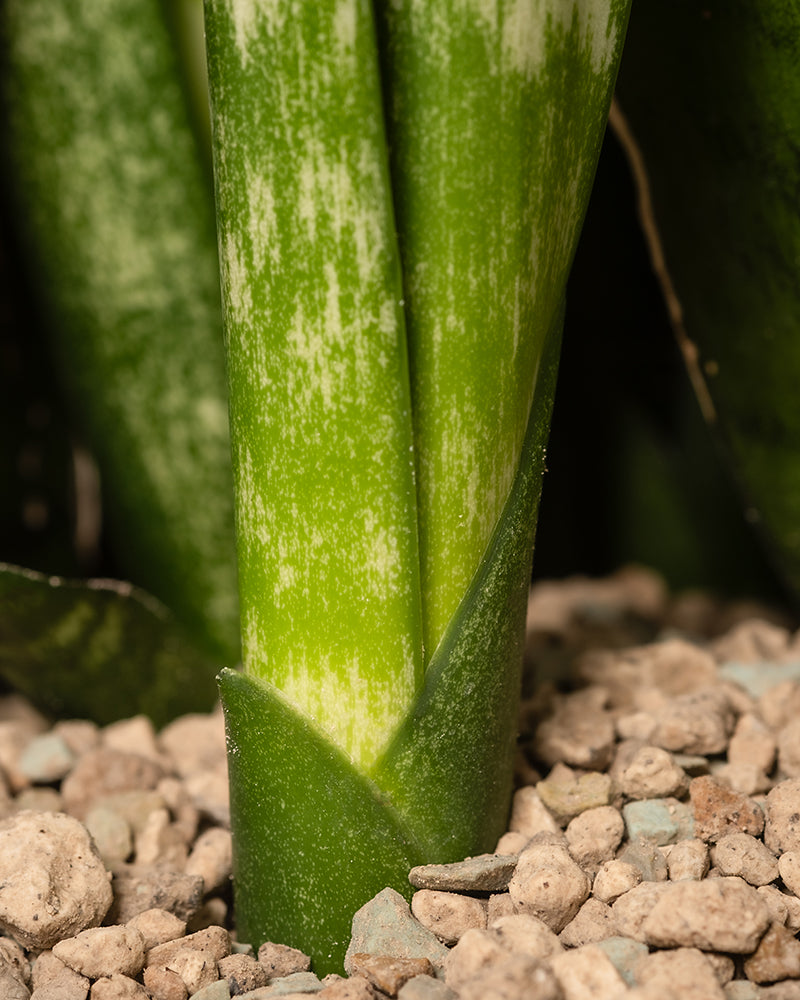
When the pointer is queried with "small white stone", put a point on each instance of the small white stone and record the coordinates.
(593, 922)
(212, 858)
(448, 914)
(134, 735)
(688, 860)
(752, 743)
(653, 774)
(548, 885)
(526, 935)
(741, 854)
(529, 815)
(101, 951)
(476, 950)
(587, 973)
(614, 879)
(157, 927)
(594, 835)
(685, 971)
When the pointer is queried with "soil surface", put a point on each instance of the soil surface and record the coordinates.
(653, 848)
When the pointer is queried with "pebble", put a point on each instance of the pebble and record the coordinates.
(660, 821)
(579, 732)
(100, 951)
(653, 773)
(387, 973)
(281, 960)
(485, 873)
(776, 957)
(385, 926)
(567, 794)
(722, 914)
(45, 759)
(741, 854)
(44, 895)
(719, 810)
(529, 814)
(688, 859)
(549, 885)
(685, 971)
(593, 922)
(594, 835)
(587, 973)
(448, 914)
(697, 723)
(614, 879)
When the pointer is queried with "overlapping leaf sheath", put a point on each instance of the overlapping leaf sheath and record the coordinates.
(391, 396)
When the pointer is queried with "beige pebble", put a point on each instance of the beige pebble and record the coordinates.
(783, 907)
(358, 988)
(638, 726)
(211, 857)
(613, 879)
(195, 743)
(44, 894)
(103, 772)
(209, 792)
(157, 927)
(788, 742)
(447, 914)
(698, 723)
(529, 815)
(688, 860)
(741, 854)
(780, 704)
(752, 640)
(752, 743)
(161, 842)
(80, 735)
(511, 842)
(632, 908)
(243, 973)
(164, 984)
(748, 779)
(685, 971)
(594, 835)
(587, 973)
(549, 885)
(118, 987)
(579, 732)
(476, 951)
(185, 814)
(498, 905)
(789, 869)
(133, 735)
(517, 978)
(593, 922)
(213, 941)
(776, 957)
(566, 793)
(526, 935)
(721, 914)
(197, 967)
(142, 887)
(280, 960)
(653, 774)
(782, 809)
(101, 951)
(388, 973)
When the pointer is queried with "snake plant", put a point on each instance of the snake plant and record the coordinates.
(400, 187)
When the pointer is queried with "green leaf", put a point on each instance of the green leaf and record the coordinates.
(98, 649)
(114, 208)
(320, 402)
(712, 97)
(315, 838)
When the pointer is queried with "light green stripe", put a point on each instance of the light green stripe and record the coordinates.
(497, 109)
(321, 416)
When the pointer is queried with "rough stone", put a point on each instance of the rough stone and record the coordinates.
(722, 914)
(388, 973)
(719, 811)
(688, 860)
(44, 894)
(579, 732)
(752, 743)
(45, 759)
(157, 927)
(523, 934)
(425, 988)
(782, 810)
(103, 772)
(280, 960)
(592, 923)
(594, 835)
(624, 953)
(447, 914)
(138, 888)
(587, 973)
(117, 987)
(614, 879)
(242, 973)
(517, 978)
(485, 873)
(743, 855)
(653, 774)
(385, 926)
(646, 858)
(699, 723)
(566, 794)
(685, 971)
(529, 815)
(211, 858)
(549, 885)
(102, 951)
(776, 957)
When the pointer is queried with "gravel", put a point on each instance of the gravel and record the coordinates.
(653, 849)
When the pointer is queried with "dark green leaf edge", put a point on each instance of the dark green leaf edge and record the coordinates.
(98, 649)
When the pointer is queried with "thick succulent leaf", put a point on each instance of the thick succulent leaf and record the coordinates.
(114, 205)
(495, 117)
(320, 401)
(711, 94)
(315, 839)
(449, 770)
(98, 649)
